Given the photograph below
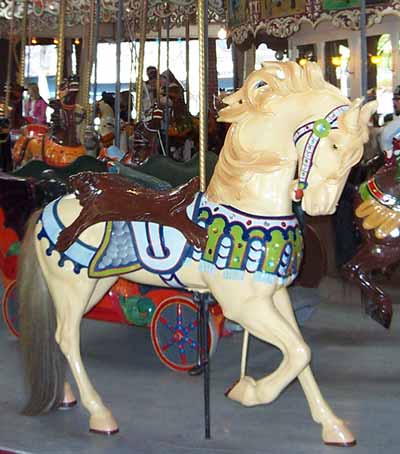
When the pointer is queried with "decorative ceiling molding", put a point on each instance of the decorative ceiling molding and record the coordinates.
(247, 18)
(43, 14)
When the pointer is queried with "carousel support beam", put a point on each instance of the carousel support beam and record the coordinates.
(364, 52)
(117, 104)
(89, 64)
(139, 82)
(60, 46)
(159, 62)
(249, 61)
(238, 66)
(355, 65)
(187, 49)
(24, 30)
(320, 55)
(395, 39)
(10, 60)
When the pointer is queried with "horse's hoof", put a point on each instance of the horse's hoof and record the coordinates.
(104, 424)
(104, 432)
(337, 434)
(349, 444)
(67, 405)
(244, 391)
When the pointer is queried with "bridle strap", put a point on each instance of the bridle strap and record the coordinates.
(316, 130)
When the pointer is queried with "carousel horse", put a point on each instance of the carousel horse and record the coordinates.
(239, 240)
(377, 213)
(59, 145)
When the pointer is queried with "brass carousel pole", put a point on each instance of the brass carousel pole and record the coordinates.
(94, 56)
(60, 48)
(202, 8)
(187, 42)
(203, 84)
(117, 104)
(24, 31)
(159, 63)
(9, 62)
(86, 93)
(139, 81)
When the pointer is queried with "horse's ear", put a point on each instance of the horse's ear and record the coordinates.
(367, 111)
(351, 118)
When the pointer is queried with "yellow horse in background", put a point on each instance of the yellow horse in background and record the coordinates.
(284, 118)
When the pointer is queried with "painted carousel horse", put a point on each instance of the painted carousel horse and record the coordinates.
(377, 210)
(60, 145)
(239, 240)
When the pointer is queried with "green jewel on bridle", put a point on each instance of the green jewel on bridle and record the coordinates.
(316, 130)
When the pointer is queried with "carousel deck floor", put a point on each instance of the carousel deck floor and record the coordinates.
(160, 411)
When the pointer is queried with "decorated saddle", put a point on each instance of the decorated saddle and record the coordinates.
(236, 243)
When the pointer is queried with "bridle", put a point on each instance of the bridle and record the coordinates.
(316, 130)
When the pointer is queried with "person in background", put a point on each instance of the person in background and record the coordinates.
(35, 106)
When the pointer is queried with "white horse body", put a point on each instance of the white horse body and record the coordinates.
(255, 175)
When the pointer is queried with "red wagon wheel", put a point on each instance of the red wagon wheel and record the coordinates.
(174, 328)
(10, 309)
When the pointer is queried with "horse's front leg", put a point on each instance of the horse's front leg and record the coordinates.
(74, 296)
(260, 317)
(334, 430)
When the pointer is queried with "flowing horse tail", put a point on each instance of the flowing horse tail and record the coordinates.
(42, 358)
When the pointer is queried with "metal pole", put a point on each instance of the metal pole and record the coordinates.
(117, 103)
(167, 112)
(60, 48)
(139, 80)
(95, 42)
(24, 32)
(89, 115)
(159, 64)
(187, 39)
(202, 7)
(364, 52)
(9, 62)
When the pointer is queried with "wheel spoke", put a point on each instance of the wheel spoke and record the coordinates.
(166, 323)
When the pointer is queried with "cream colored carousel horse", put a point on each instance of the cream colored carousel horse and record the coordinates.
(283, 118)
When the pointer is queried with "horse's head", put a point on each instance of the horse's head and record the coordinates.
(285, 113)
(328, 148)
(69, 90)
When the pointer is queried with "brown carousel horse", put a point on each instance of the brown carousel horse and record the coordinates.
(377, 210)
(60, 145)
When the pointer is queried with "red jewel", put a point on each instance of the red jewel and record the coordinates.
(283, 224)
(248, 222)
(298, 194)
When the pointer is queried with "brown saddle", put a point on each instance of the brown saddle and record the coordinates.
(109, 197)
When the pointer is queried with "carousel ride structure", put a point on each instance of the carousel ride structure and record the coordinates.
(60, 145)
(245, 260)
(377, 206)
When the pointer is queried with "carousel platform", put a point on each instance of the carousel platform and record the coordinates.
(160, 411)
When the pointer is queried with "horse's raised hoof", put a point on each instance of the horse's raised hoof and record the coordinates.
(244, 391)
(104, 432)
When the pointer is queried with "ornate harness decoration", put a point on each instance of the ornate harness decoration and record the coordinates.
(317, 129)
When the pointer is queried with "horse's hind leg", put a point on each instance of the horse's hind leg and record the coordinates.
(72, 298)
(334, 430)
(261, 318)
